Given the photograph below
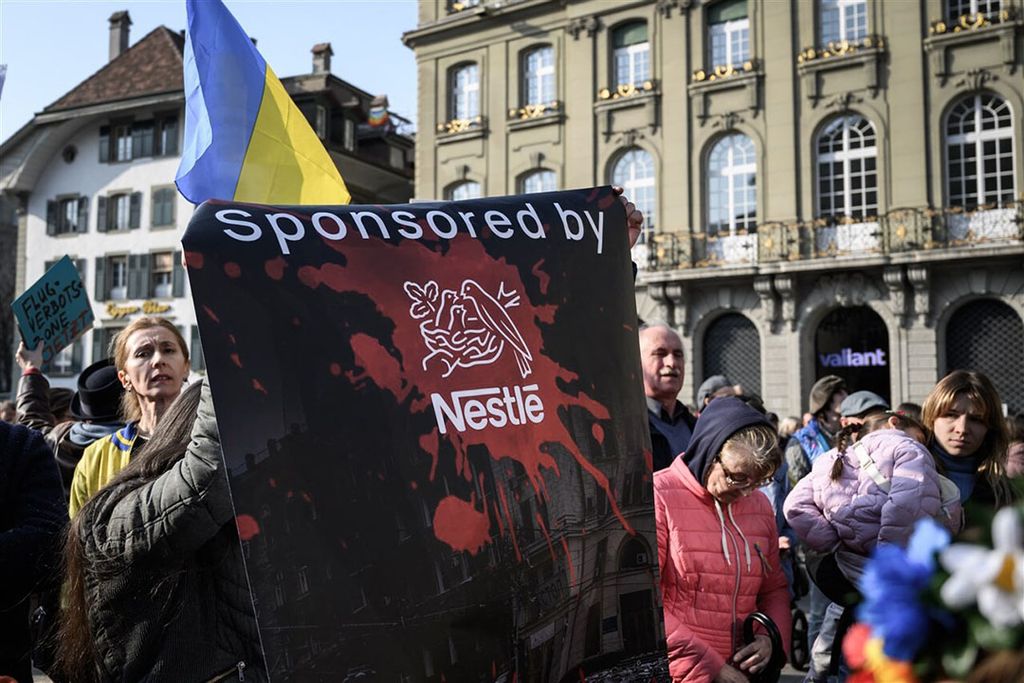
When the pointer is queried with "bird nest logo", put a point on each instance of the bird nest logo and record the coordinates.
(468, 326)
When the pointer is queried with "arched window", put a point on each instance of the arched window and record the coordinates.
(538, 69)
(464, 190)
(538, 181)
(634, 172)
(979, 152)
(958, 8)
(631, 55)
(847, 159)
(728, 33)
(842, 20)
(732, 347)
(732, 186)
(634, 555)
(987, 335)
(464, 89)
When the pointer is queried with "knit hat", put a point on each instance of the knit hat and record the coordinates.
(860, 402)
(822, 391)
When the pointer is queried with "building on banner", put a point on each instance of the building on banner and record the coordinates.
(831, 187)
(92, 176)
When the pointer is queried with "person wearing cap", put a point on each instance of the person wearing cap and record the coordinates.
(671, 423)
(827, 395)
(856, 407)
(94, 409)
(709, 387)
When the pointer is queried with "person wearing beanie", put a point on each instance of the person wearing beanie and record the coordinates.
(826, 397)
(671, 423)
(718, 547)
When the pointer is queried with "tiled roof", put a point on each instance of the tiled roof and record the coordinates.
(152, 65)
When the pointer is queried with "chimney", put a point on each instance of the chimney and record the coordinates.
(119, 23)
(322, 58)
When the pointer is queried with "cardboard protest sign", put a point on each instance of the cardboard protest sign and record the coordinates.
(433, 421)
(55, 310)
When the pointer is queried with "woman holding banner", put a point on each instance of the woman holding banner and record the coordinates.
(156, 585)
(718, 547)
(152, 365)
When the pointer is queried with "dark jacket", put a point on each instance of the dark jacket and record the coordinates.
(32, 514)
(660, 450)
(165, 584)
(34, 413)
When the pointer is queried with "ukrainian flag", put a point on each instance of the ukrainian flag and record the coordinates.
(245, 140)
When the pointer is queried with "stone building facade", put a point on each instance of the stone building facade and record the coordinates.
(833, 186)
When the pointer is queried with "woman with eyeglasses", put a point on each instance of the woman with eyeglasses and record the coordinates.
(718, 546)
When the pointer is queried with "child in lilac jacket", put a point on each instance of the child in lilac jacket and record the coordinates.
(843, 505)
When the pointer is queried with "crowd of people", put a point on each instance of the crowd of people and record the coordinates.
(119, 548)
(852, 474)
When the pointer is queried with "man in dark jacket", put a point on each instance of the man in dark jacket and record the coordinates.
(671, 422)
(32, 514)
(94, 408)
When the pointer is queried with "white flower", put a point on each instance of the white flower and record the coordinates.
(992, 578)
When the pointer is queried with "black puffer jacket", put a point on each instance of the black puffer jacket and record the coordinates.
(32, 514)
(166, 587)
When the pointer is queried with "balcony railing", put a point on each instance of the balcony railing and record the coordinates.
(899, 230)
(972, 22)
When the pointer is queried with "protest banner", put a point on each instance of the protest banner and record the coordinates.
(55, 310)
(436, 437)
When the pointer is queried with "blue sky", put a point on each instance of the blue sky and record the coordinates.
(49, 46)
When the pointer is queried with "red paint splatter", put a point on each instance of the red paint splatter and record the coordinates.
(272, 482)
(649, 461)
(568, 561)
(378, 366)
(547, 535)
(231, 338)
(275, 268)
(543, 279)
(413, 485)
(583, 676)
(306, 497)
(428, 442)
(290, 494)
(209, 311)
(258, 386)
(459, 524)
(194, 259)
(335, 369)
(236, 360)
(232, 270)
(598, 432)
(247, 526)
(511, 522)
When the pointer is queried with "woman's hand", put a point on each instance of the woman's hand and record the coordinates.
(29, 358)
(755, 656)
(730, 674)
(634, 217)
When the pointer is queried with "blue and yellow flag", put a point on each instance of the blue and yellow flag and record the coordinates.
(245, 140)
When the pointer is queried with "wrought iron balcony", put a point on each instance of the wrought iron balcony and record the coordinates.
(898, 231)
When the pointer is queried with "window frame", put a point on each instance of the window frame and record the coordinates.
(641, 189)
(542, 77)
(845, 156)
(731, 170)
(637, 70)
(453, 193)
(155, 212)
(975, 141)
(973, 7)
(836, 31)
(463, 99)
(111, 261)
(153, 286)
(544, 174)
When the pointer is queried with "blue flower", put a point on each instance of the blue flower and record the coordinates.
(929, 538)
(892, 585)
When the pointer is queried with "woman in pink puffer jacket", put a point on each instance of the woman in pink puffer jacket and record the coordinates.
(841, 505)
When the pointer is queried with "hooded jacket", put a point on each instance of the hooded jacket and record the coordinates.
(718, 562)
(853, 511)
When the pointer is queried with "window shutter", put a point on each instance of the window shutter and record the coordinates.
(137, 268)
(101, 214)
(100, 292)
(135, 212)
(83, 215)
(196, 351)
(80, 267)
(104, 144)
(178, 283)
(76, 356)
(51, 217)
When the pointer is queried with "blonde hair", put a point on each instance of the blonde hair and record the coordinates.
(130, 410)
(761, 446)
(982, 393)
